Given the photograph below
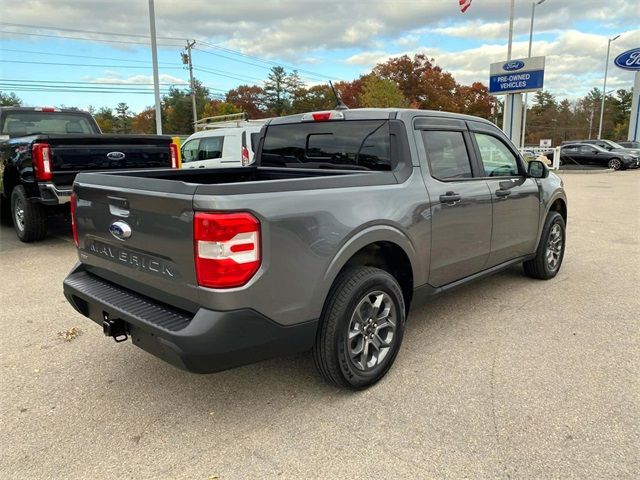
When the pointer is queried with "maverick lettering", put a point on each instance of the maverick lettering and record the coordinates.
(134, 260)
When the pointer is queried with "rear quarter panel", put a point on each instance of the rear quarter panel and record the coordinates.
(308, 236)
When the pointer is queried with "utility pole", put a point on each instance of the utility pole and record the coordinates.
(154, 58)
(186, 59)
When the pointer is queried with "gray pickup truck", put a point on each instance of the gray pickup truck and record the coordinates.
(347, 219)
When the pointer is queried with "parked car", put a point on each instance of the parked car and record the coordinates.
(42, 151)
(608, 145)
(347, 220)
(586, 154)
(222, 147)
(629, 144)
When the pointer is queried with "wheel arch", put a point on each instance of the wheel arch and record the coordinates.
(383, 247)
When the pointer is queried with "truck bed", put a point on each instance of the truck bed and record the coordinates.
(231, 181)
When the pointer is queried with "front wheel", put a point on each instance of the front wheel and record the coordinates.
(361, 328)
(550, 253)
(615, 163)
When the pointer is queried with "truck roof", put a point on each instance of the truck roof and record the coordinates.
(383, 114)
(43, 109)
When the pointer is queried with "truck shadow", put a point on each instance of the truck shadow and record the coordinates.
(257, 389)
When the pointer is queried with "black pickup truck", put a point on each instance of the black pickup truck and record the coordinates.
(43, 149)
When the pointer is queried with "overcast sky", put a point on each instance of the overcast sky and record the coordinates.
(106, 42)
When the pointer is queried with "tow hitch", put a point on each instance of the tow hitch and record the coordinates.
(115, 328)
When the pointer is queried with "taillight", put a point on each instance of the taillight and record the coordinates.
(74, 225)
(245, 156)
(41, 158)
(227, 248)
(173, 151)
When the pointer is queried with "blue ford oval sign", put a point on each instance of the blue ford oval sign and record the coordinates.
(513, 65)
(629, 60)
(121, 230)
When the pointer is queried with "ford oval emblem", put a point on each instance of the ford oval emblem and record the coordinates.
(121, 230)
(513, 65)
(116, 156)
(629, 60)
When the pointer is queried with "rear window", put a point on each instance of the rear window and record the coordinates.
(30, 123)
(360, 145)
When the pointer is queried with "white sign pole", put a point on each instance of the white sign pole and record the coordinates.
(634, 121)
(512, 119)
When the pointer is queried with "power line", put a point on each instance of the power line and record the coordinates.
(221, 74)
(87, 82)
(77, 56)
(80, 64)
(76, 30)
(116, 34)
(264, 60)
(85, 39)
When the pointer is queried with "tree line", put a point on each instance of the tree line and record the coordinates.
(411, 82)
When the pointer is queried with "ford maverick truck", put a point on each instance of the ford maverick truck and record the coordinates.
(346, 220)
(43, 149)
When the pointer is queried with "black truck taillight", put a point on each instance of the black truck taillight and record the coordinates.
(227, 248)
(74, 223)
(41, 158)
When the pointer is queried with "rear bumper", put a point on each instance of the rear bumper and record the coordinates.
(50, 194)
(204, 342)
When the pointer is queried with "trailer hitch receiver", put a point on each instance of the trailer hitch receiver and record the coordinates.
(115, 328)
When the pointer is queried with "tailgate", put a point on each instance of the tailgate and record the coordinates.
(140, 239)
(72, 154)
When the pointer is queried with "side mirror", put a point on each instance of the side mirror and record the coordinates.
(595, 152)
(537, 169)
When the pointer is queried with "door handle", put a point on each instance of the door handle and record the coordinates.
(450, 198)
(503, 193)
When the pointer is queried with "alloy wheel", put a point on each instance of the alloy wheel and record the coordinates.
(372, 330)
(554, 247)
(615, 163)
(18, 213)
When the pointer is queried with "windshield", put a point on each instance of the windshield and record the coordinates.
(354, 145)
(18, 124)
(613, 144)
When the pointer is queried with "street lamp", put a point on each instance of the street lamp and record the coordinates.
(526, 95)
(604, 86)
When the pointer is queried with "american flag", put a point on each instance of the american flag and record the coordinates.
(464, 4)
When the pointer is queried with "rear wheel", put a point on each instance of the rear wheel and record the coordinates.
(550, 253)
(29, 219)
(615, 163)
(361, 328)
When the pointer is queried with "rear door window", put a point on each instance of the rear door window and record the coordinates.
(354, 145)
(447, 154)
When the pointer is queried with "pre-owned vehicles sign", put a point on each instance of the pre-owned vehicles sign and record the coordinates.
(519, 75)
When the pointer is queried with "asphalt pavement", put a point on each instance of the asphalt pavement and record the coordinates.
(506, 378)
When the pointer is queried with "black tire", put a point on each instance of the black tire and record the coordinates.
(332, 352)
(29, 218)
(540, 266)
(615, 163)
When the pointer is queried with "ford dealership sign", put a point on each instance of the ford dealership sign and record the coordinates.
(516, 76)
(629, 60)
